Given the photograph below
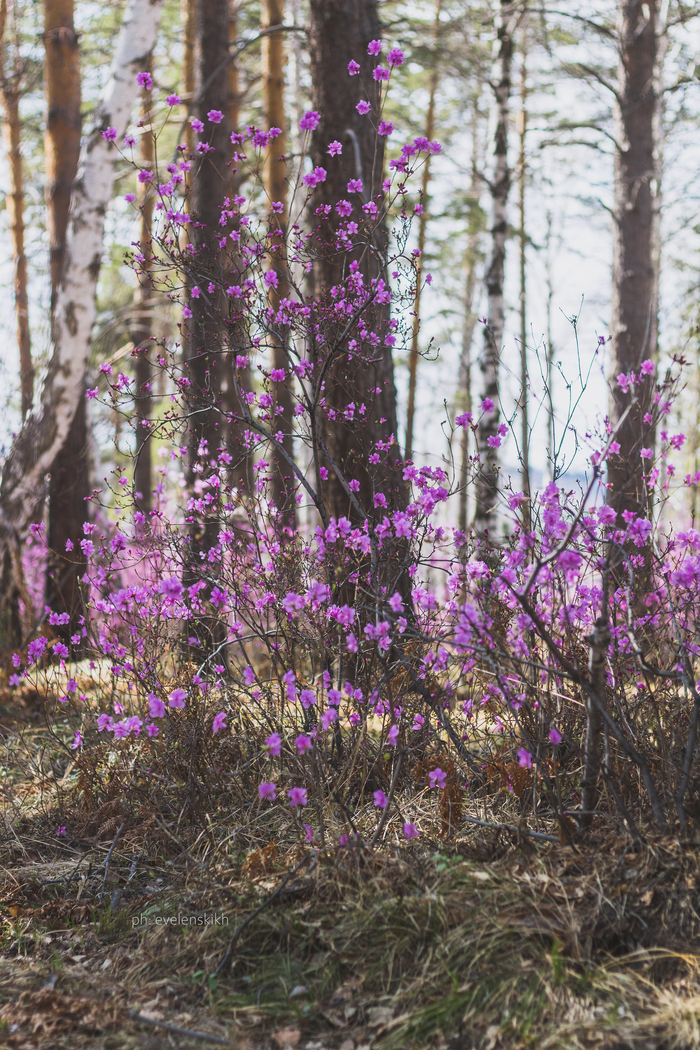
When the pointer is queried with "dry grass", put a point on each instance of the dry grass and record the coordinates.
(483, 939)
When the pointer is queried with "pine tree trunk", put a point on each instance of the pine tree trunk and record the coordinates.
(45, 430)
(635, 258)
(69, 482)
(275, 181)
(10, 90)
(489, 459)
(340, 31)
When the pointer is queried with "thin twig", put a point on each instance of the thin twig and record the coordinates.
(142, 1019)
(268, 900)
(107, 860)
(511, 827)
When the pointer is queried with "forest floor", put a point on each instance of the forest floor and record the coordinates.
(489, 940)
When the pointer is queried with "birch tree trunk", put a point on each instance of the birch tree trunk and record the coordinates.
(635, 256)
(10, 91)
(422, 221)
(45, 430)
(143, 320)
(69, 482)
(489, 458)
(275, 181)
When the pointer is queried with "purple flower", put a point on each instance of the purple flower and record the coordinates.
(271, 279)
(647, 367)
(130, 197)
(524, 758)
(385, 127)
(152, 729)
(374, 47)
(355, 186)
(314, 177)
(77, 740)
(104, 722)
(177, 698)
(60, 649)
(145, 175)
(487, 405)
(308, 698)
(353, 67)
(381, 73)
(437, 778)
(647, 453)
(144, 80)
(129, 140)
(328, 718)
(380, 800)
(555, 736)
(61, 830)
(173, 100)
(156, 707)
(410, 831)
(219, 722)
(297, 797)
(215, 116)
(393, 735)
(171, 588)
(303, 744)
(292, 603)
(197, 126)
(15, 680)
(344, 208)
(273, 744)
(395, 57)
(267, 789)
(110, 135)
(309, 121)
(363, 107)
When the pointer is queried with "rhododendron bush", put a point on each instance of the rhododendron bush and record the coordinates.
(361, 671)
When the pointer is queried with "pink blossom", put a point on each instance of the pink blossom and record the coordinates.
(374, 47)
(309, 121)
(524, 758)
(267, 789)
(380, 73)
(173, 100)
(487, 405)
(353, 67)
(177, 697)
(77, 740)
(109, 134)
(647, 367)
(215, 116)
(144, 80)
(156, 707)
(297, 796)
(385, 127)
(334, 148)
(303, 744)
(395, 57)
(437, 778)
(555, 736)
(410, 831)
(380, 800)
(219, 722)
(273, 744)
(393, 735)
(363, 107)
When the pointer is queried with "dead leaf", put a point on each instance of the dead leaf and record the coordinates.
(287, 1038)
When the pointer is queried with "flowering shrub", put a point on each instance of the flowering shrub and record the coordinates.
(355, 668)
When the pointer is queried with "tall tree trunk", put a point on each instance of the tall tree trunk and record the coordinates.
(340, 31)
(635, 261)
(422, 221)
(522, 244)
(489, 459)
(143, 466)
(275, 181)
(69, 482)
(207, 334)
(10, 90)
(45, 430)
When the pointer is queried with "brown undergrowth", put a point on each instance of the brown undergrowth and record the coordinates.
(468, 937)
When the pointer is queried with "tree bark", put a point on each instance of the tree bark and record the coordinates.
(275, 182)
(10, 90)
(45, 430)
(422, 221)
(69, 482)
(489, 459)
(340, 31)
(634, 326)
(143, 467)
(522, 244)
